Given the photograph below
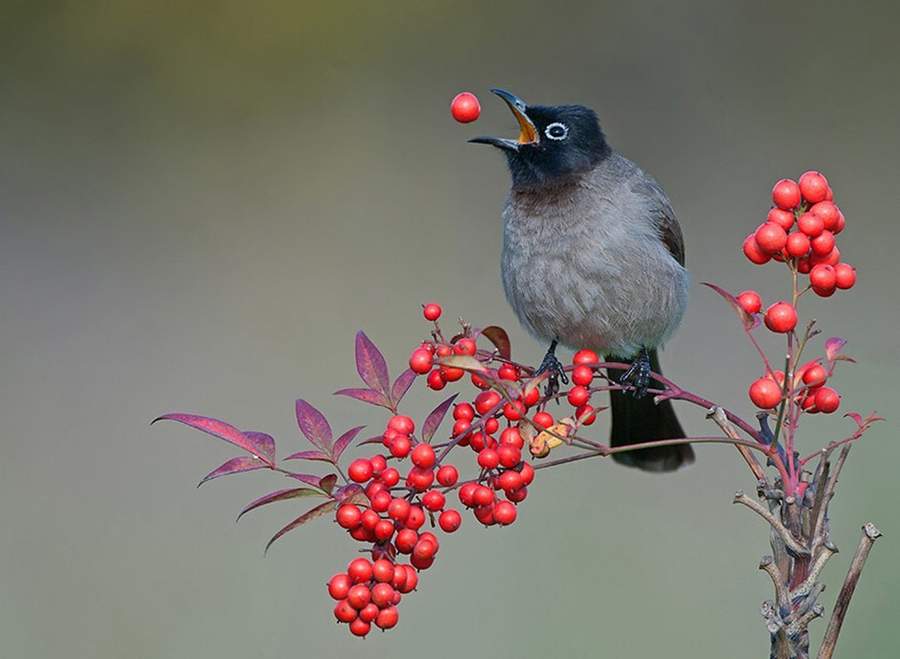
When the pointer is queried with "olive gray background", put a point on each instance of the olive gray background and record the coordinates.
(200, 204)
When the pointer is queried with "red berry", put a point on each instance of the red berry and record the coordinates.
(348, 516)
(823, 244)
(415, 519)
(465, 107)
(463, 412)
(369, 612)
(443, 350)
(479, 382)
(813, 187)
(827, 400)
(578, 396)
(384, 530)
(412, 580)
(815, 376)
(510, 480)
(432, 311)
(420, 361)
(543, 419)
(509, 455)
(513, 411)
(344, 612)
(828, 212)
(390, 477)
(491, 425)
(803, 266)
(436, 380)
(460, 427)
(486, 401)
(387, 618)
(831, 258)
(369, 519)
(450, 520)
(582, 375)
(765, 393)
(508, 372)
(512, 436)
(425, 548)
(532, 396)
(485, 515)
(423, 456)
(754, 252)
(360, 627)
(433, 500)
(398, 510)
(465, 346)
(783, 218)
(359, 596)
(811, 225)
(447, 475)
(488, 458)
(527, 472)
(360, 570)
(517, 496)
(781, 317)
(401, 447)
(380, 501)
(840, 224)
(750, 301)
(585, 357)
(467, 494)
(505, 513)
(339, 586)
(845, 275)
(383, 570)
(383, 594)
(482, 496)
(797, 244)
(420, 479)
(402, 424)
(360, 470)
(452, 373)
(586, 415)
(770, 237)
(822, 277)
(786, 194)
(405, 541)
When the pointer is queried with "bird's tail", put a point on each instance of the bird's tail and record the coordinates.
(637, 420)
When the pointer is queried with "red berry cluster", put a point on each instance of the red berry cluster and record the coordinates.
(369, 591)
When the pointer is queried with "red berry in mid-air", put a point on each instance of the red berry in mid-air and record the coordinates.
(786, 194)
(432, 311)
(750, 301)
(449, 520)
(465, 107)
(765, 393)
(781, 317)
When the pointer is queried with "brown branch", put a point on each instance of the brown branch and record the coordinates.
(818, 536)
(789, 540)
(869, 536)
(717, 414)
(767, 564)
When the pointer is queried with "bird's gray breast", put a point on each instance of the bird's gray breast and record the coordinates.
(585, 264)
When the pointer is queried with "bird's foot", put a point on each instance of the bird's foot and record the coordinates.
(638, 374)
(554, 368)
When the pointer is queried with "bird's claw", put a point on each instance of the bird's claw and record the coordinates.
(638, 375)
(554, 368)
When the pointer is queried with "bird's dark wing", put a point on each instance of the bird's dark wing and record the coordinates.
(662, 212)
(670, 232)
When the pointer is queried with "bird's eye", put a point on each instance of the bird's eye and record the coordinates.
(557, 131)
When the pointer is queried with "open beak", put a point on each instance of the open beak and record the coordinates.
(527, 132)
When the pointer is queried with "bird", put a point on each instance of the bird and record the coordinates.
(593, 257)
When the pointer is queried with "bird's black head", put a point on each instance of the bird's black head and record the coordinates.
(554, 143)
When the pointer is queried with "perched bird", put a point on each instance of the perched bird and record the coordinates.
(593, 257)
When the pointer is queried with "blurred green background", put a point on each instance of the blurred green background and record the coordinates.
(201, 202)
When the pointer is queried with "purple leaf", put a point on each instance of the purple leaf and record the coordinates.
(309, 479)
(856, 416)
(326, 483)
(236, 465)
(369, 396)
(434, 418)
(279, 495)
(218, 429)
(500, 339)
(342, 442)
(401, 385)
(348, 492)
(264, 443)
(833, 347)
(310, 455)
(370, 364)
(378, 439)
(749, 321)
(318, 511)
(313, 425)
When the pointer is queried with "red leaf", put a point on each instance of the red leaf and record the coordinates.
(313, 425)
(401, 385)
(264, 443)
(856, 416)
(280, 495)
(369, 396)
(218, 429)
(434, 418)
(310, 455)
(343, 442)
(236, 465)
(370, 364)
(833, 347)
(318, 511)
(500, 339)
(748, 321)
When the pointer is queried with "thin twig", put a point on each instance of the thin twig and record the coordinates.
(869, 536)
(767, 564)
(790, 542)
(717, 414)
(818, 536)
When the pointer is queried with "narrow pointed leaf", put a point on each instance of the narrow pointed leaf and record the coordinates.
(500, 339)
(318, 511)
(264, 443)
(378, 439)
(370, 364)
(310, 455)
(342, 442)
(216, 428)
(279, 495)
(749, 321)
(326, 483)
(236, 465)
(369, 396)
(348, 491)
(856, 416)
(464, 362)
(401, 385)
(433, 420)
(313, 425)
(309, 479)
(833, 347)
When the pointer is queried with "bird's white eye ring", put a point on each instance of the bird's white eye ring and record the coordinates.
(557, 131)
